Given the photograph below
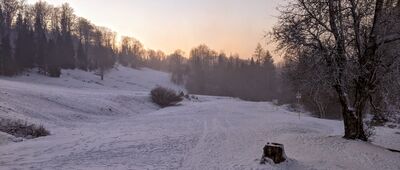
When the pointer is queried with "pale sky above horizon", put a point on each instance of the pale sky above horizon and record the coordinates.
(232, 26)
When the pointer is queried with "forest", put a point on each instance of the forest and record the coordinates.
(52, 38)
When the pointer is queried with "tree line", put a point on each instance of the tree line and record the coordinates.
(208, 72)
(52, 38)
(213, 73)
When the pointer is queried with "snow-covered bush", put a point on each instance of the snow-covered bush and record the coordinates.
(369, 129)
(22, 129)
(165, 97)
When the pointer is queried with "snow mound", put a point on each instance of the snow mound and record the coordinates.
(7, 138)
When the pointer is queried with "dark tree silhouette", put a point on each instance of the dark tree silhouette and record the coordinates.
(66, 48)
(6, 60)
(24, 44)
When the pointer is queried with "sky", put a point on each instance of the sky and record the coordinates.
(231, 26)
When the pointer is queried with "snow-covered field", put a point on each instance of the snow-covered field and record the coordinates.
(112, 124)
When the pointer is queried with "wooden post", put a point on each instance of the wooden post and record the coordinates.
(298, 97)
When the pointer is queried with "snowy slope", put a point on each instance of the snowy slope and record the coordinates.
(80, 96)
(119, 78)
(112, 124)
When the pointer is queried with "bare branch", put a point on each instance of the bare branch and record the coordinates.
(314, 17)
(389, 39)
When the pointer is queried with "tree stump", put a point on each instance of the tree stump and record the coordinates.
(275, 152)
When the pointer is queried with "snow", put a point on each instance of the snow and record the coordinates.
(112, 124)
(7, 138)
(119, 78)
(387, 137)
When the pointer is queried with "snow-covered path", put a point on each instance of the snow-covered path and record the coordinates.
(121, 129)
(211, 135)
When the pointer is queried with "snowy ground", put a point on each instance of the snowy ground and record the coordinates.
(112, 124)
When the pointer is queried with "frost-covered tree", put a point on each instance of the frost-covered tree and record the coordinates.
(10, 9)
(103, 50)
(131, 53)
(176, 65)
(348, 37)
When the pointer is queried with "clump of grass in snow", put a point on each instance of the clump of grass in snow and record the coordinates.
(22, 129)
(165, 97)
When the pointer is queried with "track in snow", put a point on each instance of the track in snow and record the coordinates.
(219, 134)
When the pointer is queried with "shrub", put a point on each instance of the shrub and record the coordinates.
(54, 72)
(22, 129)
(165, 97)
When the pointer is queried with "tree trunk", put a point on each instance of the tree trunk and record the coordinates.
(352, 117)
(354, 126)
(353, 122)
(102, 73)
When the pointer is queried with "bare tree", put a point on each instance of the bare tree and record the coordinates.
(103, 50)
(10, 9)
(176, 65)
(348, 37)
(131, 52)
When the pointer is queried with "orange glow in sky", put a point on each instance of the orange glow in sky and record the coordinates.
(232, 26)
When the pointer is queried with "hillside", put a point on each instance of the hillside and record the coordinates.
(112, 124)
